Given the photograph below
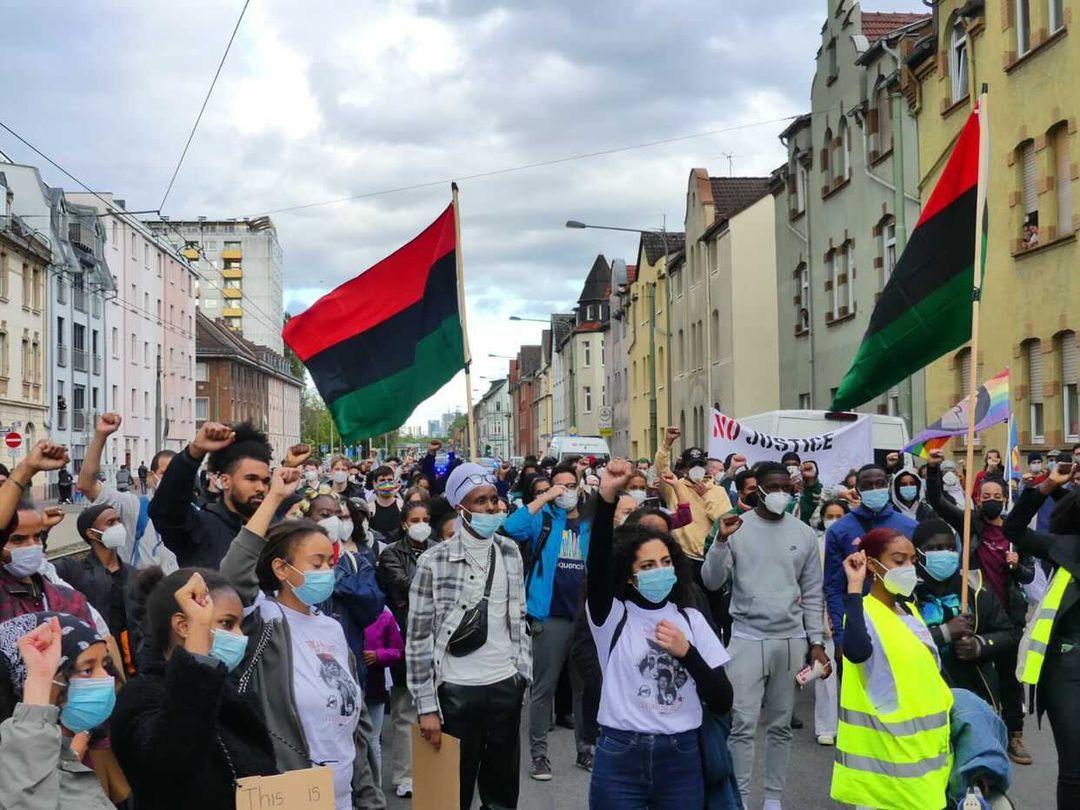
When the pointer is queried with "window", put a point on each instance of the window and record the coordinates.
(1033, 356)
(963, 373)
(115, 342)
(134, 349)
(1023, 26)
(884, 121)
(588, 352)
(1068, 354)
(157, 310)
(826, 152)
(844, 161)
(888, 251)
(1059, 138)
(146, 353)
(59, 331)
(146, 404)
(202, 407)
(845, 279)
(115, 234)
(132, 401)
(133, 246)
(804, 401)
(1057, 15)
(802, 182)
(588, 398)
(1029, 193)
(830, 54)
(115, 401)
(802, 305)
(714, 336)
(4, 365)
(146, 254)
(146, 302)
(830, 281)
(200, 372)
(958, 60)
(682, 351)
(893, 406)
(27, 286)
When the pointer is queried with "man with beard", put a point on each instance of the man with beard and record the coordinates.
(240, 458)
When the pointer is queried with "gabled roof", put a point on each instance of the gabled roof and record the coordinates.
(876, 24)
(732, 194)
(597, 283)
(659, 244)
(530, 360)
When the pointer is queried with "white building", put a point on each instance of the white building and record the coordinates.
(493, 420)
(579, 390)
(283, 400)
(150, 352)
(241, 270)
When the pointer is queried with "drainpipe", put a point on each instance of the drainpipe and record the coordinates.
(650, 297)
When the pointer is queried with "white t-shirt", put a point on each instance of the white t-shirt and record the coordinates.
(327, 696)
(646, 689)
(494, 661)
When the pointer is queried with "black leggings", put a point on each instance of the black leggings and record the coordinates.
(1059, 694)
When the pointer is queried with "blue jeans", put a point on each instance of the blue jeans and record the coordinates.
(647, 772)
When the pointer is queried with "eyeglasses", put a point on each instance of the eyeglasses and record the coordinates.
(479, 479)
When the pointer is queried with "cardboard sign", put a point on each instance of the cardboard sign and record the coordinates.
(436, 774)
(307, 789)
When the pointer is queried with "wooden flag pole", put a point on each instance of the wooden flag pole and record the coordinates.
(976, 295)
(470, 422)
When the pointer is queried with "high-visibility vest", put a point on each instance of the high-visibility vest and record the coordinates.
(1032, 652)
(899, 759)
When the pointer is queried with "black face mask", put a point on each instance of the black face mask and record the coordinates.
(991, 510)
(751, 500)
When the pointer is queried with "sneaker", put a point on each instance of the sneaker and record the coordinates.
(565, 721)
(1018, 752)
(404, 790)
(541, 769)
(796, 723)
(772, 804)
(826, 739)
(585, 760)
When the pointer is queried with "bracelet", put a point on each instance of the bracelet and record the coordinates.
(16, 482)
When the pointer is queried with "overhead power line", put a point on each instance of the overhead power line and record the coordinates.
(202, 109)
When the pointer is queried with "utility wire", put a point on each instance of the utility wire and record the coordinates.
(202, 109)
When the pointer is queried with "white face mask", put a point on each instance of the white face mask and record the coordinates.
(828, 522)
(311, 475)
(332, 525)
(775, 502)
(339, 476)
(419, 532)
(115, 536)
(950, 479)
(638, 495)
(345, 531)
(899, 581)
(568, 500)
(696, 474)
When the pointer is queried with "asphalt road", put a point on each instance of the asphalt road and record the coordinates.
(64, 539)
(809, 773)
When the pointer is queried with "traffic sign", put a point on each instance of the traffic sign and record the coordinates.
(13, 440)
(605, 417)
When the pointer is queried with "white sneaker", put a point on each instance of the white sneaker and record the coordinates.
(404, 790)
(772, 804)
(826, 739)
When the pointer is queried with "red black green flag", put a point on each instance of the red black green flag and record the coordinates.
(382, 343)
(925, 308)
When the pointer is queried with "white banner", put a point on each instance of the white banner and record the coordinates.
(836, 453)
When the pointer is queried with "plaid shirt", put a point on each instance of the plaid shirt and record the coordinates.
(445, 586)
(18, 597)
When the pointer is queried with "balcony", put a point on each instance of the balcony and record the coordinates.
(79, 298)
(78, 420)
(232, 292)
(62, 419)
(227, 255)
(61, 355)
(232, 312)
(78, 360)
(232, 272)
(61, 291)
(95, 306)
(190, 253)
(97, 364)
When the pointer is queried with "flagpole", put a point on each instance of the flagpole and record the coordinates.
(976, 295)
(469, 418)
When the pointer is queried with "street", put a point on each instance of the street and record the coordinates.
(808, 772)
(64, 539)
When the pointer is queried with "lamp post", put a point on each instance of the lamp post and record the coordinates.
(574, 224)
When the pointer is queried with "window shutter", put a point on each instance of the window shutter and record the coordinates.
(1069, 358)
(965, 373)
(1027, 163)
(1063, 181)
(1035, 371)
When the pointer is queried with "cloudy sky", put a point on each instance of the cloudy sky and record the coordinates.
(324, 99)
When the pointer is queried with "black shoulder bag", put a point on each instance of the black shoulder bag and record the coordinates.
(472, 632)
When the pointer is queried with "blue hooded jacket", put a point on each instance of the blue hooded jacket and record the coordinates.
(840, 543)
(526, 528)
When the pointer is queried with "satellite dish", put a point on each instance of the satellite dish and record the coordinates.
(619, 277)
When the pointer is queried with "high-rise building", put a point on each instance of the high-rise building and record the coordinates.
(241, 272)
(433, 428)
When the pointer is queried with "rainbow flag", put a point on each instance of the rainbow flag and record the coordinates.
(1013, 470)
(991, 408)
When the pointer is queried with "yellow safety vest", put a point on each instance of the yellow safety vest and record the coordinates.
(1032, 651)
(900, 760)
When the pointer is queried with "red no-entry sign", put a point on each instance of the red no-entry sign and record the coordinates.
(13, 440)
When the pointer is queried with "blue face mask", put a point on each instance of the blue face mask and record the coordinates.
(317, 587)
(656, 583)
(25, 561)
(90, 701)
(941, 565)
(228, 648)
(483, 524)
(908, 493)
(875, 499)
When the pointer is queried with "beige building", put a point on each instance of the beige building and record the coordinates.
(24, 261)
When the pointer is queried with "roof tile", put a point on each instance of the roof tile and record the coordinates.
(876, 24)
(732, 194)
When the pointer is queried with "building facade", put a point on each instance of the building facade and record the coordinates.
(845, 200)
(523, 371)
(238, 381)
(241, 272)
(24, 255)
(647, 385)
(617, 361)
(1030, 320)
(492, 417)
(150, 337)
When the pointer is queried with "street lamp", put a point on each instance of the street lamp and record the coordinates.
(651, 297)
(531, 320)
(502, 357)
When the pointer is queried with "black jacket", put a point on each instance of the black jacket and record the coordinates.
(86, 574)
(171, 728)
(953, 514)
(394, 573)
(996, 631)
(196, 536)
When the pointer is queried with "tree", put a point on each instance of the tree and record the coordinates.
(296, 365)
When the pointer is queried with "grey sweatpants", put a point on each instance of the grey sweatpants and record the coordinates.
(402, 718)
(763, 669)
(550, 647)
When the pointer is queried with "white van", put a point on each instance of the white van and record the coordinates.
(563, 447)
(890, 433)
